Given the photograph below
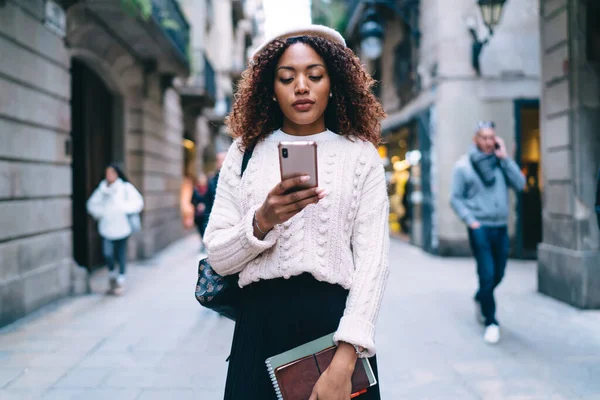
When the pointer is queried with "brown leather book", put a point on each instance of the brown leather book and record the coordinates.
(294, 374)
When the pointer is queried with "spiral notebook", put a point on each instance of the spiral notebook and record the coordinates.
(295, 372)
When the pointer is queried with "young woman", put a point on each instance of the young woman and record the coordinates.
(110, 204)
(315, 261)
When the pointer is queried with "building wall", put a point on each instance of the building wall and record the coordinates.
(36, 255)
(162, 168)
(394, 35)
(150, 130)
(569, 256)
(255, 9)
(195, 11)
(35, 172)
(219, 48)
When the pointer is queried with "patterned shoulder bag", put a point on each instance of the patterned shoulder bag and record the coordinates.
(216, 292)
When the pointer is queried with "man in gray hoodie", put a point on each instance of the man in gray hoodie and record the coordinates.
(480, 198)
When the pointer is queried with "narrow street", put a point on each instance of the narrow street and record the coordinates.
(156, 342)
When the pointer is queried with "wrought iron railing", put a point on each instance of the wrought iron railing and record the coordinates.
(210, 83)
(169, 16)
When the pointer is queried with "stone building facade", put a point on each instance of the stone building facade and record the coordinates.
(224, 32)
(82, 84)
(569, 257)
(434, 98)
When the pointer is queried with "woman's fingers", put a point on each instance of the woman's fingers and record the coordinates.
(288, 184)
(301, 195)
(298, 206)
(280, 205)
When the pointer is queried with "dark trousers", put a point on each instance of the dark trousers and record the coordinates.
(490, 248)
(115, 250)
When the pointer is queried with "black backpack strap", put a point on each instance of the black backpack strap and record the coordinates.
(247, 157)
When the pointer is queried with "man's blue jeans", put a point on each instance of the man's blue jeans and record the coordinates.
(490, 247)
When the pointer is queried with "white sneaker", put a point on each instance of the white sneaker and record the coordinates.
(478, 314)
(119, 288)
(492, 334)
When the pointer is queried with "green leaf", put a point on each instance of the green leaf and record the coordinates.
(169, 23)
(143, 8)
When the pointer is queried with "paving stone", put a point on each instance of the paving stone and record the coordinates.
(91, 394)
(7, 375)
(179, 394)
(83, 378)
(112, 359)
(21, 394)
(37, 378)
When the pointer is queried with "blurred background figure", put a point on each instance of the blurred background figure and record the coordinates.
(115, 204)
(198, 200)
(405, 220)
(209, 197)
(185, 206)
(480, 186)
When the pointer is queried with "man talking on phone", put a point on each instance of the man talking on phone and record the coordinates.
(480, 198)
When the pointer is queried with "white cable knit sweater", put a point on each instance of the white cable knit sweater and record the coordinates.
(341, 240)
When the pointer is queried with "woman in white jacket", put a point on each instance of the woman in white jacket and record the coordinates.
(111, 204)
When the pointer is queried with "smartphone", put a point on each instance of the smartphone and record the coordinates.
(496, 145)
(299, 158)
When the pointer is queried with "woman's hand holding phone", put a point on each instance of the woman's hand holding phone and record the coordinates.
(280, 205)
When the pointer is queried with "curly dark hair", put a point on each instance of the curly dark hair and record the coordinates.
(353, 111)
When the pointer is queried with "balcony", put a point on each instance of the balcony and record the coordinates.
(200, 91)
(168, 15)
(210, 81)
(159, 40)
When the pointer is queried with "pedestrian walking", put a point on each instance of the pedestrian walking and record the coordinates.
(199, 192)
(406, 220)
(115, 204)
(480, 198)
(198, 201)
(314, 261)
(211, 191)
(188, 212)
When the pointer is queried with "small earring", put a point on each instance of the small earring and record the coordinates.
(330, 94)
(274, 99)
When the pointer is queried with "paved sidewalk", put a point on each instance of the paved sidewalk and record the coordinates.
(156, 342)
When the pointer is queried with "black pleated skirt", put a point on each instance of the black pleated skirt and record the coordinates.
(277, 315)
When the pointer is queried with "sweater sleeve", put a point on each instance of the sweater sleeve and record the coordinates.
(457, 200)
(370, 247)
(514, 176)
(229, 236)
(95, 205)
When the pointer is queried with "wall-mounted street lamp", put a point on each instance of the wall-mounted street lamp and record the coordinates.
(371, 34)
(491, 13)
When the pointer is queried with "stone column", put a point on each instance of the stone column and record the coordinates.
(569, 257)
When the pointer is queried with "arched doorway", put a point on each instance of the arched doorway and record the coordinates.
(92, 116)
